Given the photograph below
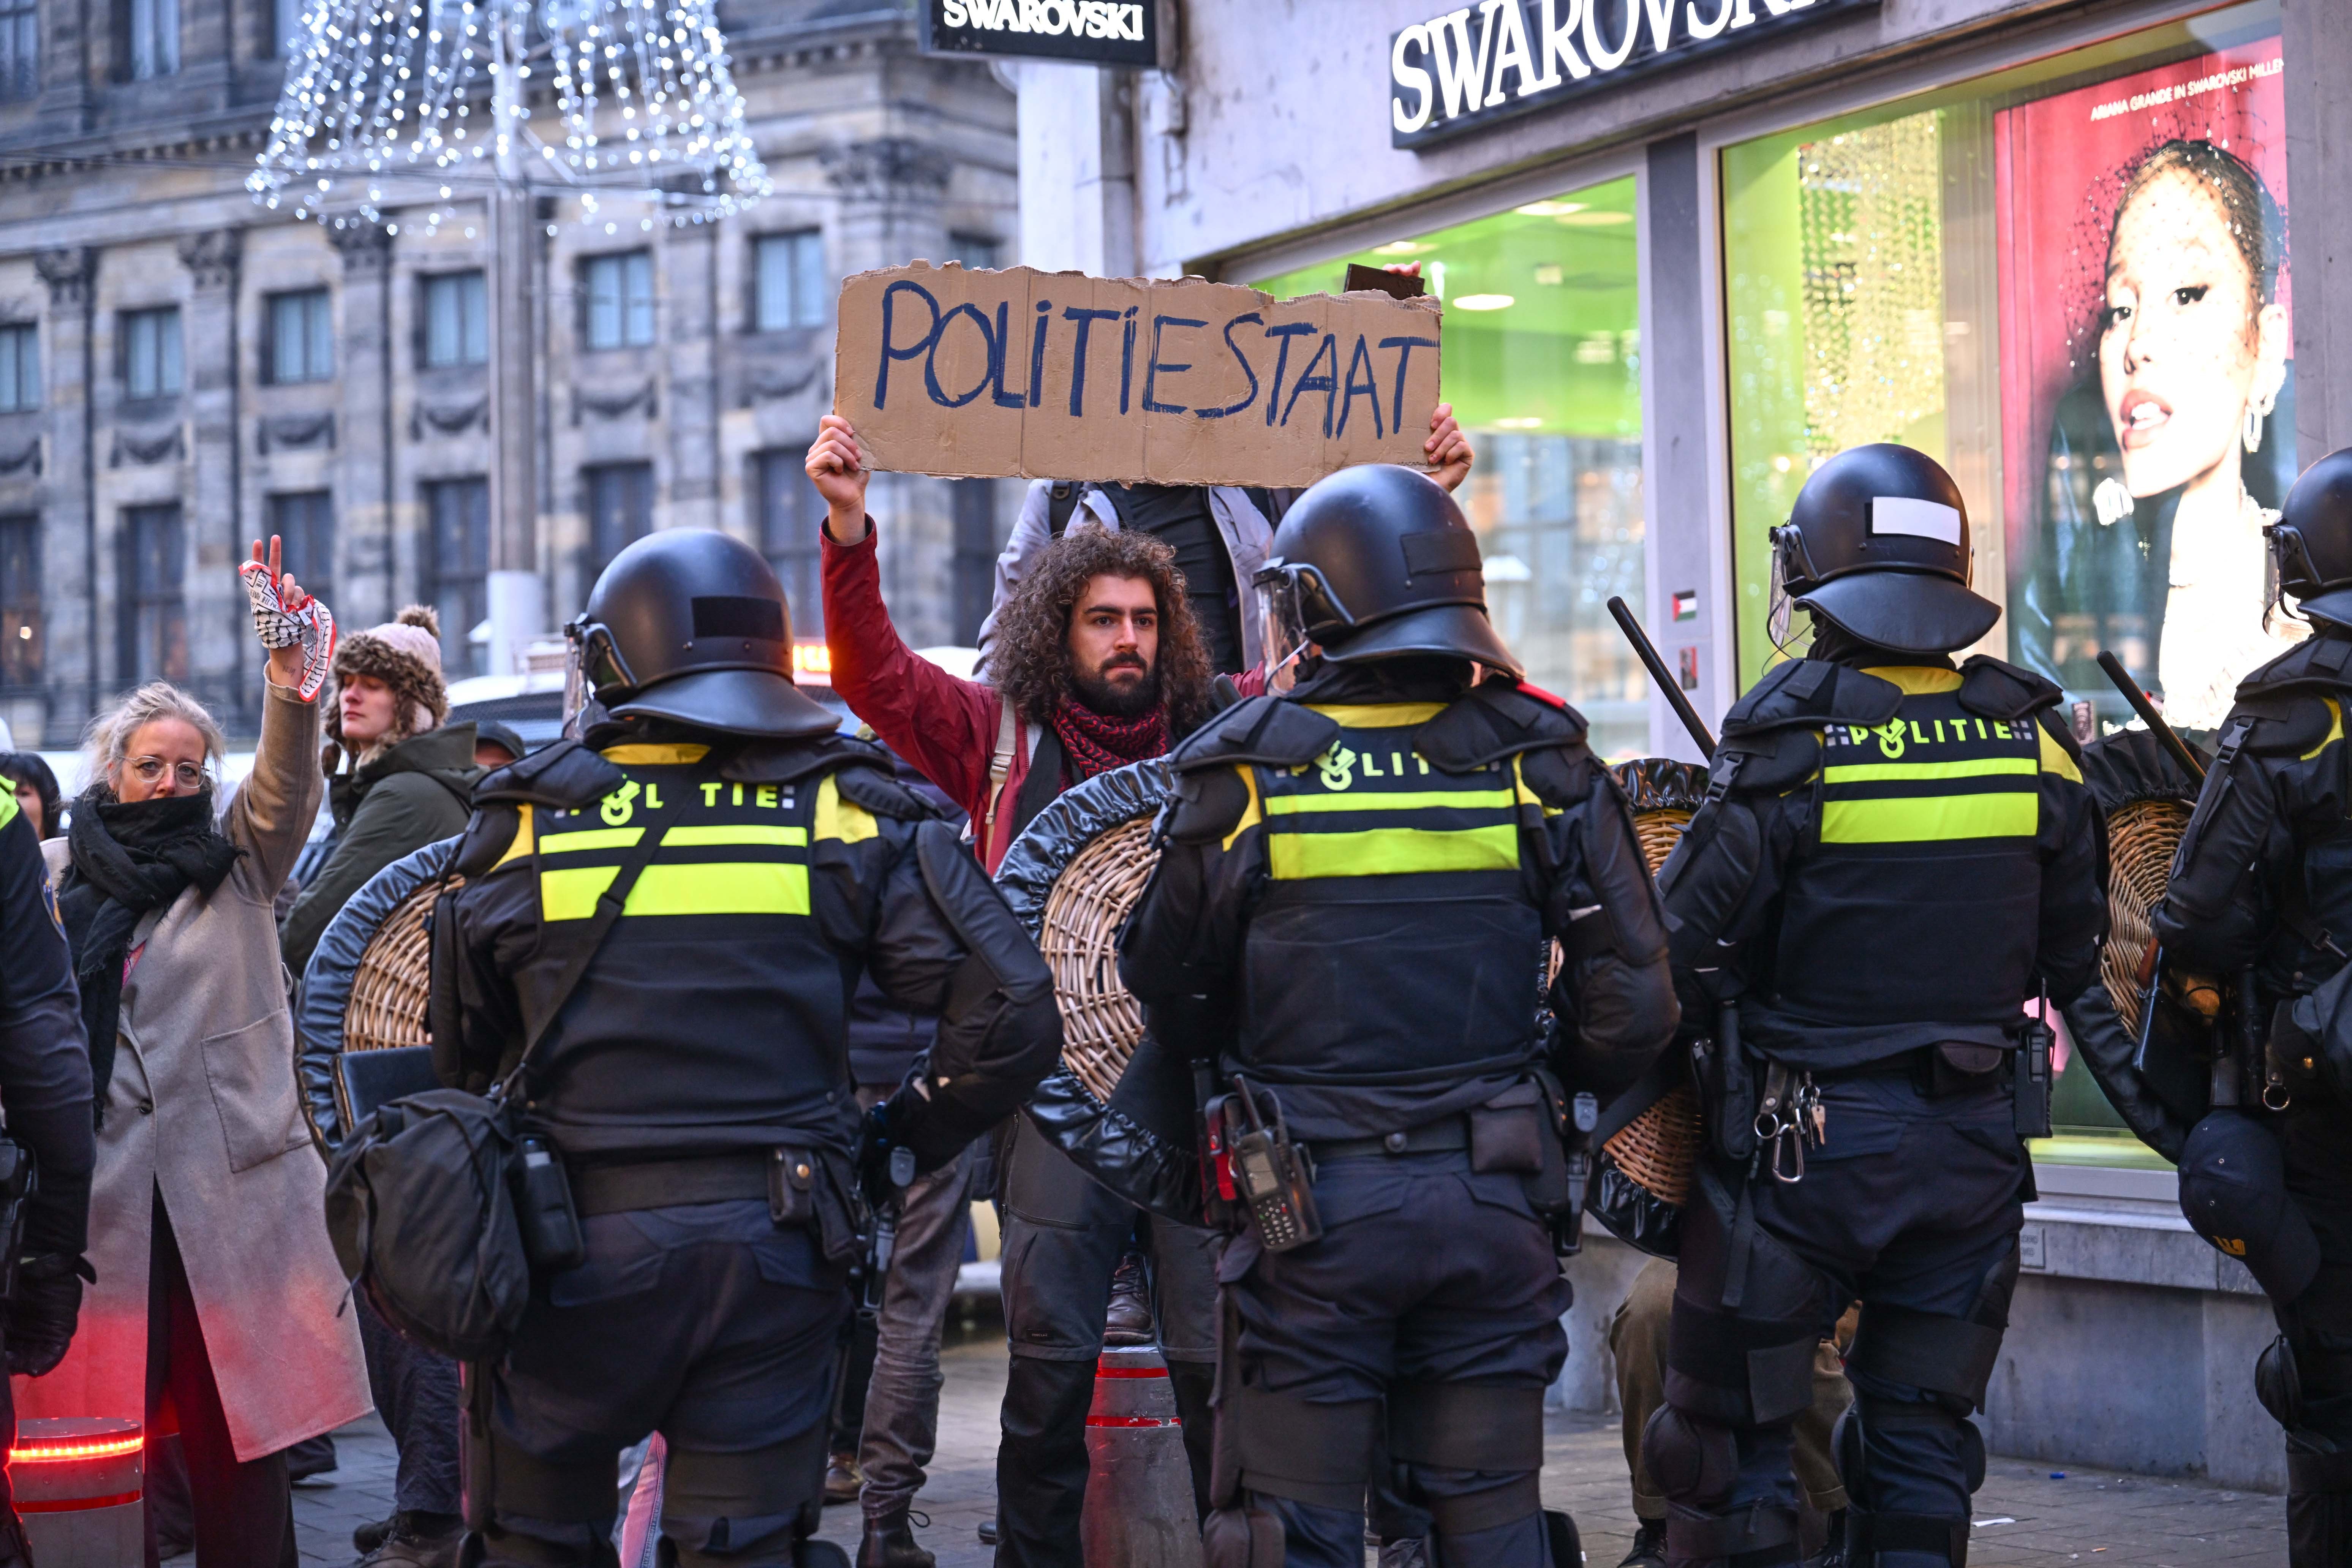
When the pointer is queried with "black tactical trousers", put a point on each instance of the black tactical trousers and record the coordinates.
(1420, 1333)
(1063, 1235)
(1912, 1207)
(2317, 1328)
(707, 1324)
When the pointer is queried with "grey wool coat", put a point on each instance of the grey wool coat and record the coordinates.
(203, 1109)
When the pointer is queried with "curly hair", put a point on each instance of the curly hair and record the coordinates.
(1031, 658)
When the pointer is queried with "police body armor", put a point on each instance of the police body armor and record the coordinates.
(716, 1008)
(1925, 807)
(1355, 799)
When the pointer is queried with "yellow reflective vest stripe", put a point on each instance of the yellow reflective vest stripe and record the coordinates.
(1391, 851)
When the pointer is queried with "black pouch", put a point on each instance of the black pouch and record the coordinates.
(1506, 1135)
(792, 1186)
(1955, 1068)
(840, 1206)
(1726, 1088)
(551, 1237)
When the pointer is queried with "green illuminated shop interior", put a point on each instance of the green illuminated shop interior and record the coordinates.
(1542, 364)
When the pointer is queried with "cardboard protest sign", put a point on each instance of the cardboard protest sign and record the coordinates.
(1022, 374)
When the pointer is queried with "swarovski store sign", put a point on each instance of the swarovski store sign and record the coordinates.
(1102, 32)
(1476, 65)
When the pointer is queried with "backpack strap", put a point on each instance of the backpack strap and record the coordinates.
(1062, 503)
(1000, 767)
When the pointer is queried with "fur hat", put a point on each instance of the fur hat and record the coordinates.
(403, 653)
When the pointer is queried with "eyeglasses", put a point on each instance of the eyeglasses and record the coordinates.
(188, 776)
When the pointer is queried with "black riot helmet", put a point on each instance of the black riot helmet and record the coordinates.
(1376, 561)
(1877, 545)
(690, 625)
(2311, 541)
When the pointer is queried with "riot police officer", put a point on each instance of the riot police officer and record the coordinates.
(1895, 856)
(2262, 897)
(683, 900)
(45, 1082)
(1362, 879)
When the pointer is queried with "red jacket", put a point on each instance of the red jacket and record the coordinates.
(944, 725)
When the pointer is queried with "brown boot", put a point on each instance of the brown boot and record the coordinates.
(1128, 1322)
(842, 1480)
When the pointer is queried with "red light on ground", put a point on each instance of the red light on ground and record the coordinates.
(40, 1453)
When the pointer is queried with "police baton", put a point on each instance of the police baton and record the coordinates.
(1667, 686)
(2150, 717)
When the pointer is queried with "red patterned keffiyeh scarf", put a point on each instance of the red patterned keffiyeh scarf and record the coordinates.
(1097, 742)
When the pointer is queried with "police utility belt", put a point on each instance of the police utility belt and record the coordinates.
(1762, 1112)
(1258, 1178)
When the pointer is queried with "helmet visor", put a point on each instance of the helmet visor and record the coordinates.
(1780, 616)
(575, 678)
(1282, 624)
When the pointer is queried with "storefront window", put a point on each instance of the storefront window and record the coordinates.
(1542, 364)
(2068, 283)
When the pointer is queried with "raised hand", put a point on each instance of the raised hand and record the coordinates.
(295, 627)
(836, 466)
(1448, 448)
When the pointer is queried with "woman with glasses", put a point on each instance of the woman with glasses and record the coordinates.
(217, 1295)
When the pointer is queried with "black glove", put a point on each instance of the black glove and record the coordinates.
(41, 1316)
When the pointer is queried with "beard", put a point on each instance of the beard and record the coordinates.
(1129, 700)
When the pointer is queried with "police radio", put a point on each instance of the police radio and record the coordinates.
(1271, 1174)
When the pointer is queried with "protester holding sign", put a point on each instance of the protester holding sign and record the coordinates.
(1098, 664)
(1219, 533)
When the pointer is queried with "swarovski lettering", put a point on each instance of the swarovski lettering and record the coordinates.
(1493, 58)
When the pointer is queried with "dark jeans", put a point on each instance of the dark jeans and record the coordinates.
(417, 1391)
(1063, 1236)
(705, 1322)
(244, 1512)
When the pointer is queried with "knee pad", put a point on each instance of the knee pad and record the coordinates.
(1317, 1454)
(523, 1487)
(1737, 1369)
(752, 1506)
(1951, 1359)
(2278, 1384)
(1691, 1460)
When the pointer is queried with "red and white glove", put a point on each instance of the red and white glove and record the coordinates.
(280, 625)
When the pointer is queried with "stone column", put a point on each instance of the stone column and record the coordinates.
(365, 580)
(75, 660)
(65, 66)
(690, 287)
(893, 195)
(1077, 168)
(223, 660)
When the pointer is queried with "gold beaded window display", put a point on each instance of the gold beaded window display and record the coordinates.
(1871, 234)
(392, 106)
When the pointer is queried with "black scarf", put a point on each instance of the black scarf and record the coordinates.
(128, 859)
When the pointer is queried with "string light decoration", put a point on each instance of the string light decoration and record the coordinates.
(396, 103)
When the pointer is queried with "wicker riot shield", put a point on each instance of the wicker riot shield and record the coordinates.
(2147, 797)
(1649, 1136)
(364, 993)
(1120, 1105)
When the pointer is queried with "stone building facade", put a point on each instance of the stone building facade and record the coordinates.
(182, 370)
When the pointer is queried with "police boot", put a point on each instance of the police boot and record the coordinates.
(2318, 1505)
(1649, 1546)
(890, 1541)
(418, 1540)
